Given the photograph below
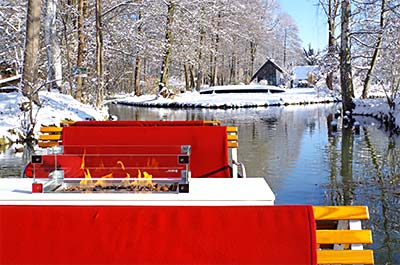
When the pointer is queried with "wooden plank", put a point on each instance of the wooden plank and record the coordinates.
(66, 122)
(233, 144)
(345, 257)
(232, 137)
(47, 144)
(231, 129)
(341, 212)
(51, 129)
(344, 236)
(50, 137)
(212, 123)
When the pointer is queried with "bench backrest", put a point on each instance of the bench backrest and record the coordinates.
(208, 140)
(209, 151)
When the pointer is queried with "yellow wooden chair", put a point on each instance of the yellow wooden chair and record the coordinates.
(340, 237)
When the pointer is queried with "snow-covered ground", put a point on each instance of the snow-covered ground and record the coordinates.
(55, 108)
(234, 100)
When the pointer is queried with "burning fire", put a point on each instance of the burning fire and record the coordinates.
(147, 178)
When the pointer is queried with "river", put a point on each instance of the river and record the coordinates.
(303, 160)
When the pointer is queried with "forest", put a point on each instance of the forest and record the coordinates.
(91, 49)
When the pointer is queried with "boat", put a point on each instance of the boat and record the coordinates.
(130, 192)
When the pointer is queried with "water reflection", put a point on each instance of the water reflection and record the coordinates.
(11, 162)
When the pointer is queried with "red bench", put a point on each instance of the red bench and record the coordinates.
(101, 145)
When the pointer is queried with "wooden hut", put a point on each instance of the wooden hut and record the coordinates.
(270, 72)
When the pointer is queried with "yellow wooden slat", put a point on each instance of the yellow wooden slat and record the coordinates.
(50, 137)
(211, 123)
(345, 257)
(51, 129)
(47, 144)
(66, 122)
(231, 129)
(233, 144)
(341, 212)
(232, 137)
(344, 236)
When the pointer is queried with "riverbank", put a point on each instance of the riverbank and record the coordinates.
(380, 110)
(296, 96)
(55, 108)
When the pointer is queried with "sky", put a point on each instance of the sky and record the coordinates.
(310, 20)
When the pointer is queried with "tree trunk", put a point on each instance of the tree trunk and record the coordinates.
(187, 79)
(346, 81)
(332, 12)
(31, 52)
(167, 54)
(54, 66)
(253, 50)
(138, 90)
(82, 9)
(99, 55)
(378, 45)
(199, 78)
(191, 74)
(232, 69)
(65, 21)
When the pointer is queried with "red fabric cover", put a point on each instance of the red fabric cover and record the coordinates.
(157, 235)
(138, 123)
(209, 150)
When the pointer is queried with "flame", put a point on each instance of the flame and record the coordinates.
(145, 180)
(128, 176)
(101, 181)
(119, 162)
(87, 181)
(148, 178)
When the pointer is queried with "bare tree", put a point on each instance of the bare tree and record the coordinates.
(346, 81)
(54, 66)
(83, 12)
(331, 10)
(32, 40)
(99, 54)
(168, 40)
(377, 49)
(138, 61)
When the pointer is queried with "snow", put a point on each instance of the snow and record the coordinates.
(234, 100)
(55, 108)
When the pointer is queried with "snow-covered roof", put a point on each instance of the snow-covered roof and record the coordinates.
(302, 72)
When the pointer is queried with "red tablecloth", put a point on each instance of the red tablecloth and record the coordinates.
(157, 235)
